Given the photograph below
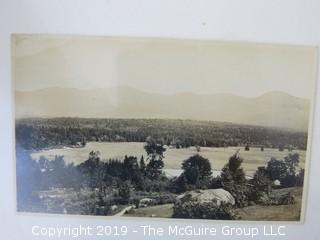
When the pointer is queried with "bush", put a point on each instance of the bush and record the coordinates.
(180, 184)
(196, 175)
(261, 187)
(196, 210)
(261, 180)
(94, 204)
(278, 198)
(264, 199)
(234, 181)
(215, 183)
(286, 199)
(276, 169)
(177, 185)
(261, 198)
(165, 198)
(285, 171)
(289, 181)
(240, 192)
(156, 185)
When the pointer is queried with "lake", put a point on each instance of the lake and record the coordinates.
(173, 157)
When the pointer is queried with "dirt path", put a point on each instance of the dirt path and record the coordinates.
(123, 211)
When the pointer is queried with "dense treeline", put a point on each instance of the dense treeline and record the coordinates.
(95, 172)
(45, 133)
(105, 176)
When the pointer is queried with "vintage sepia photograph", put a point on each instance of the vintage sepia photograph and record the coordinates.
(162, 128)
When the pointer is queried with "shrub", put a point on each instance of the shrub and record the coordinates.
(261, 180)
(197, 210)
(233, 180)
(289, 181)
(215, 183)
(196, 175)
(93, 204)
(286, 199)
(265, 199)
(177, 185)
(292, 162)
(156, 185)
(285, 171)
(261, 186)
(261, 198)
(276, 169)
(180, 184)
(240, 192)
(165, 198)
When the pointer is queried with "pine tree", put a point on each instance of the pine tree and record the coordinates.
(142, 166)
(155, 155)
(232, 171)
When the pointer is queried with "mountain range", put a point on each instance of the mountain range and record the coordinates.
(273, 109)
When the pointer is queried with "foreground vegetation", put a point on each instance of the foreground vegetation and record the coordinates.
(256, 212)
(284, 212)
(99, 187)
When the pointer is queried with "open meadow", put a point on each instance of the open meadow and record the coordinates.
(173, 157)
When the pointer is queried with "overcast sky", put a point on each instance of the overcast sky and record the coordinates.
(162, 66)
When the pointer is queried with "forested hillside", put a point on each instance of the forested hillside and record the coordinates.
(39, 133)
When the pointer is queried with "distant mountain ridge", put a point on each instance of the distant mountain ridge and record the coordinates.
(276, 109)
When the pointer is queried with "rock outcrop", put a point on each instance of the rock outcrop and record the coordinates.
(208, 196)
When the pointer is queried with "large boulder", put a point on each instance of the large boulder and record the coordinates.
(217, 196)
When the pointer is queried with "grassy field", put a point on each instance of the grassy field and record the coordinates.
(159, 211)
(218, 157)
